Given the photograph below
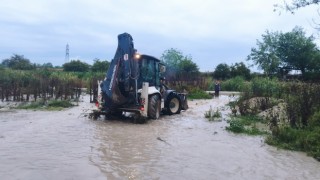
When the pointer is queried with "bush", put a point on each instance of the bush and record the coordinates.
(197, 93)
(246, 125)
(212, 115)
(235, 84)
(62, 103)
(236, 126)
(303, 102)
(266, 87)
(315, 120)
(297, 139)
(50, 105)
(33, 105)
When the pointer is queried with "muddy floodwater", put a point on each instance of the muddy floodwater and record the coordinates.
(40, 145)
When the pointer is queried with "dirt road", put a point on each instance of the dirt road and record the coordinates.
(65, 145)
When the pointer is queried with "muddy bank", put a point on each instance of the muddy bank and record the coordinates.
(67, 145)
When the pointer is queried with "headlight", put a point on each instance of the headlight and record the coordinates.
(137, 56)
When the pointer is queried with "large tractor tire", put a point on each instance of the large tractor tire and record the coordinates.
(154, 106)
(173, 104)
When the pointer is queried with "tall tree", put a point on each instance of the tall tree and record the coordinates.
(47, 65)
(293, 50)
(296, 50)
(222, 71)
(76, 66)
(100, 66)
(172, 58)
(265, 55)
(188, 66)
(240, 69)
(18, 62)
(177, 63)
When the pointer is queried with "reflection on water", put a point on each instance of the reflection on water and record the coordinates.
(65, 145)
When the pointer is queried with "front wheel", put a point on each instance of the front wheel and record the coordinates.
(173, 104)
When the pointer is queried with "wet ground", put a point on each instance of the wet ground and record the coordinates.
(39, 145)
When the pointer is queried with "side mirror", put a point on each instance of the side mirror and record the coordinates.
(162, 68)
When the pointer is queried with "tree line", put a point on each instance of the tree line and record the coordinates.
(276, 54)
(19, 62)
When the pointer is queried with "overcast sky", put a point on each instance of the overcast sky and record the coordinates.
(211, 31)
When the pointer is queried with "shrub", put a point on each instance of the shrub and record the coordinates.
(236, 126)
(315, 120)
(33, 105)
(211, 115)
(246, 125)
(197, 93)
(50, 105)
(265, 87)
(235, 84)
(303, 102)
(297, 139)
(62, 103)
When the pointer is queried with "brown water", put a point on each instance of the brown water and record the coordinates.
(39, 145)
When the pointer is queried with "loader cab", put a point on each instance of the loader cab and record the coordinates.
(151, 70)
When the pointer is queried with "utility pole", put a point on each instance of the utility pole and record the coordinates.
(67, 54)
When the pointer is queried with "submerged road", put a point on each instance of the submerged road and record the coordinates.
(39, 145)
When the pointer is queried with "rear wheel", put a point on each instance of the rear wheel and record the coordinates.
(184, 102)
(173, 104)
(154, 106)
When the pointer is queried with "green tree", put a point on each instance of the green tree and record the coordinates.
(172, 58)
(315, 64)
(76, 66)
(178, 63)
(296, 50)
(222, 71)
(188, 66)
(18, 62)
(47, 65)
(240, 69)
(291, 50)
(265, 55)
(100, 66)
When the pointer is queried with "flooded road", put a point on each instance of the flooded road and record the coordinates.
(41, 145)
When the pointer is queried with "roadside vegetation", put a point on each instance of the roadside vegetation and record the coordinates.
(289, 110)
(213, 115)
(287, 104)
(251, 125)
(197, 93)
(51, 105)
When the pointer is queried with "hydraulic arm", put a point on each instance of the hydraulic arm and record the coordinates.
(119, 86)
